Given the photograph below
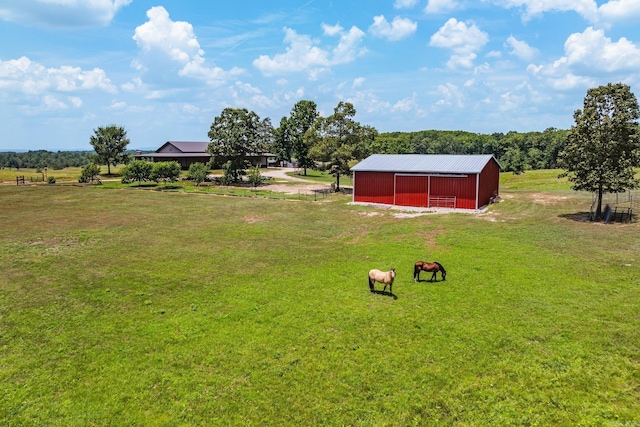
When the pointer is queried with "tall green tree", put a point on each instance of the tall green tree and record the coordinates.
(235, 134)
(110, 143)
(338, 140)
(282, 146)
(603, 146)
(303, 116)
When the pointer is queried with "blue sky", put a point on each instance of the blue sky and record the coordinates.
(165, 69)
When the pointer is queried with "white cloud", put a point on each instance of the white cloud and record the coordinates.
(75, 101)
(399, 28)
(176, 41)
(440, 6)
(245, 93)
(594, 50)
(51, 103)
(588, 9)
(464, 39)
(405, 4)
(358, 82)
(588, 54)
(451, 96)
(32, 78)
(302, 54)
(620, 10)
(521, 49)
(134, 86)
(407, 104)
(332, 30)
(118, 105)
(61, 13)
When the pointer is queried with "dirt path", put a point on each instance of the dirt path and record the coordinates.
(295, 186)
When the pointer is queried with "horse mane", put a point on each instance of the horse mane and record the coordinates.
(440, 265)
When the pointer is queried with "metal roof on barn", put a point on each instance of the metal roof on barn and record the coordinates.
(425, 163)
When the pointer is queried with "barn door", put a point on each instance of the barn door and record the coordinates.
(412, 190)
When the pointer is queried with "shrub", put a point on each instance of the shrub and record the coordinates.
(137, 170)
(165, 171)
(90, 173)
(198, 173)
(255, 179)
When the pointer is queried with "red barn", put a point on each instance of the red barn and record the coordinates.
(427, 180)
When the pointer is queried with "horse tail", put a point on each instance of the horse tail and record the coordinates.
(371, 282)
(415, 270)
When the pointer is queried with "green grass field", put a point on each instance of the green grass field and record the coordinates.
(152, 308)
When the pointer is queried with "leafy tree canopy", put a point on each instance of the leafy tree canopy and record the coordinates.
(110, 143)
(603, 147)
(236, 134)
(338, 140)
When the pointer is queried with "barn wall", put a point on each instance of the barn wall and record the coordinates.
(489, 183)
(373, 187)
(463, 188)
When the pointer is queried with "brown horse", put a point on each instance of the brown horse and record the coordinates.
(432, 267)
(385, 277)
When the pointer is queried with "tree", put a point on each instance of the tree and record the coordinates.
(198, 172)
(110, 143)
(603, 146)
(303, 116)
(165, 171)
(137, 170)
(90, 173)
(254, 176)
(282, 146)
(235, 134)
(338, 140)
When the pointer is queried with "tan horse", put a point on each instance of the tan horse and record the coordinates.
(385, 277)
(431, 267)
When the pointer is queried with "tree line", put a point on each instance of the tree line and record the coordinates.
(40, 159)
(516, 152)
(333, 142)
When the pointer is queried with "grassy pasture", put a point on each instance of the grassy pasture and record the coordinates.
(167, 308)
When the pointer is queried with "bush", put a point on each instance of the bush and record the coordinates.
(165, 171)
(90, 173)
(198, 173)
(137, 170)
(255, 179)
(51, 180)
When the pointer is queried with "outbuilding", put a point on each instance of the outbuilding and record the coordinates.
(188, 152)
(427, 180)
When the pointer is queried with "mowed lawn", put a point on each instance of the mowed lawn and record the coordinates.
(150, 308)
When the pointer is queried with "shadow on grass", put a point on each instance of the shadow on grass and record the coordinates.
(385, 293)
(429, 280)
(577, 216)
(584, 217)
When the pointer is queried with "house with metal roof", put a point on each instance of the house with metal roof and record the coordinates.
(188, 152)
(427, 180)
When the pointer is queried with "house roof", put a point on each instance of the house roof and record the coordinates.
(188, 149)
(425, 163)
(186, 146)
